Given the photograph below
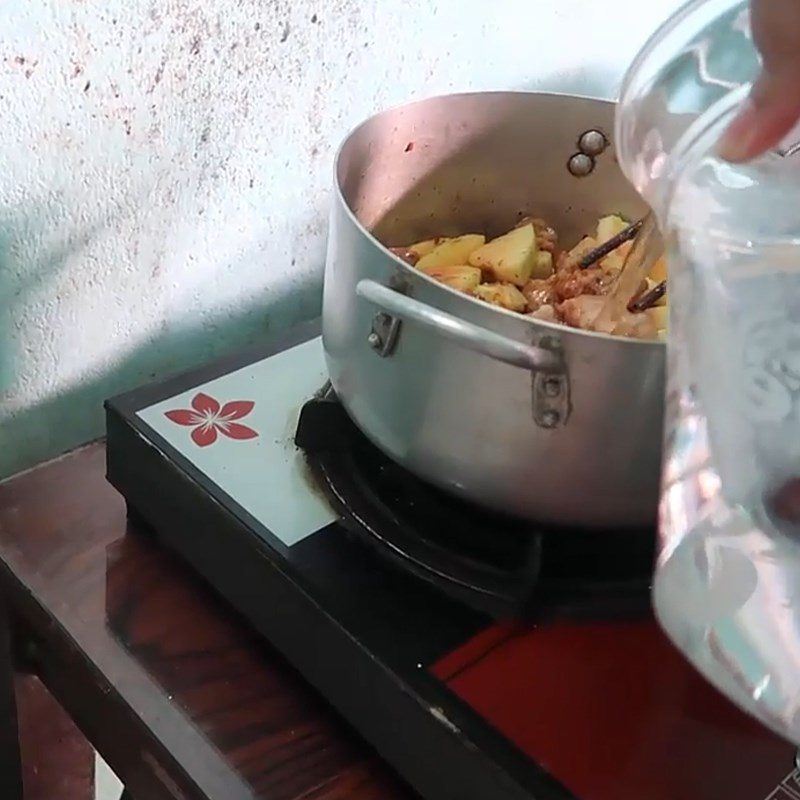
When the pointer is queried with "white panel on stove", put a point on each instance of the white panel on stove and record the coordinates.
(239, 431)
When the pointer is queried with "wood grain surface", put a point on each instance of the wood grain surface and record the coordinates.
(174, 690)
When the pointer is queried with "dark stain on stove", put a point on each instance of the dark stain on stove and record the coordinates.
(310, 479)
(285, 32)
(314, 19)
(194, 48)
(409, 147)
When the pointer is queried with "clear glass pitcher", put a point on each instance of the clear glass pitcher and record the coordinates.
(727, 580)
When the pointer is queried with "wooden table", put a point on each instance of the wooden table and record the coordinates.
(169, 685)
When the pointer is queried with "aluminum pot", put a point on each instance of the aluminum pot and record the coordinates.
(525, 417)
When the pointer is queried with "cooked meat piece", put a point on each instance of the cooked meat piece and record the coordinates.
(580, 312)
(546, 237)
(545, 313)
(571, 283)
(635, 326)
(538, 292)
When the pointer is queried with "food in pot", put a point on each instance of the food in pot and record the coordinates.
(525, 271)
(505, 295)
(464, 279)
(450, 252)
(510, 258)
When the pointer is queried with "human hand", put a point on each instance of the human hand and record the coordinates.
(773, 107)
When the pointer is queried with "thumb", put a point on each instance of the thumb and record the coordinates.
(765, 118)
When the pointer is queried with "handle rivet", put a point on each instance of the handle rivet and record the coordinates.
(375, 341)
(552, 387)
(592, 143)
(580, 165)
(550, 418)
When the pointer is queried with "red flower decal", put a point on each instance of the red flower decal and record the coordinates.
(209, 419)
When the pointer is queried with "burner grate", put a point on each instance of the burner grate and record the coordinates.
(497, 564)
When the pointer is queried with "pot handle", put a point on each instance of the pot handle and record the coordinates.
(465, 334)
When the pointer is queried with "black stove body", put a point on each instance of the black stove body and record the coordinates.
(483, 657)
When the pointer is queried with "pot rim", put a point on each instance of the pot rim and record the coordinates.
(534, 323)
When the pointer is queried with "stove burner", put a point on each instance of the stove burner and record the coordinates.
(499, 565)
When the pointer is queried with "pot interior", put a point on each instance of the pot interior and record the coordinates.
(476, 163)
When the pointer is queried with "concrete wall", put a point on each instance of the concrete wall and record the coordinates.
(165, 166)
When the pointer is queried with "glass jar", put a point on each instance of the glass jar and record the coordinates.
(727, 580)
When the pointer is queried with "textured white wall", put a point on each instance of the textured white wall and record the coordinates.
(165, 165)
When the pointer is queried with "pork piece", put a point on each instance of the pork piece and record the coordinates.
(538, 292)
(567, 282)
(546, 237)
(574, 282)
(580, 312)
(545, 313)
(635, 326)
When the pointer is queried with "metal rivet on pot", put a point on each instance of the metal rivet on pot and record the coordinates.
(580, 165)
(592, 143)
(375, 341)
(552, 387)
(550, 418)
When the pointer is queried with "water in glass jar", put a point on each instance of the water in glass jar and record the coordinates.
(727, 582)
